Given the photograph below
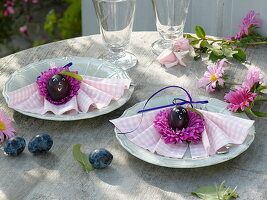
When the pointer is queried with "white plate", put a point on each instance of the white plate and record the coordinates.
(85, 66)
(214, 105)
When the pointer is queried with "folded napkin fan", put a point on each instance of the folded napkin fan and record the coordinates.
(93, 93)
(220, 130)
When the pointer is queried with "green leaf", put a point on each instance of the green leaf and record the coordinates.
(249, 112)
(260, 98)
(215, 192)
(259, 114)
(206, 44)
(260, 88)
(194, 42)
(195, 110)
(188, 36)
(197, 57)
(206, 193)
(228, 52)
(241, 55)
(214, 57)
(217, 52)
(82, 158)
(73, 75)
(200, 32)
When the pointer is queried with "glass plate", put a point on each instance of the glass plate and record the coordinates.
(85, 66)
(214, 105)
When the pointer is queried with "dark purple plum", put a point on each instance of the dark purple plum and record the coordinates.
(58, 87)
(14, 146)
(179, 118)
(40, 144)
(100, 158)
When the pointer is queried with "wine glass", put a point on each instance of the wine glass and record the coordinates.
(170, 19)
(115, 18)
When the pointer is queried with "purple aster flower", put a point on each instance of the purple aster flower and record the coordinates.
(248, 21)
(240, 99)
(252, 78)
(192, 133)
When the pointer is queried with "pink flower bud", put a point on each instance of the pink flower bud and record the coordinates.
(181, 44)
(23, 29)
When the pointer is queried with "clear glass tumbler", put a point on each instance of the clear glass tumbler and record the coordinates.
(170, 20)
(115, 19)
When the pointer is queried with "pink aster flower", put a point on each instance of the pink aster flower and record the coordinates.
(192, 133)
(9, 8)
(248, 21)
(6, 128)
(239, 99)
(251, 19)
(23, 29)
(213, 77)
(252, 77)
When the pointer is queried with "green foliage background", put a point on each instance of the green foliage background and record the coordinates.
(66, 26)
(47, 21)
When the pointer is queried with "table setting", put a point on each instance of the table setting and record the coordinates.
(127, 115)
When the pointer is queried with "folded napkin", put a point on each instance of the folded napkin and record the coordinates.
(94, 93)
(220, 130)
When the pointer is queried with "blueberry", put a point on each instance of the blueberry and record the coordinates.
(40, 144)
(14, 146)
(179, 118)
(100, 158)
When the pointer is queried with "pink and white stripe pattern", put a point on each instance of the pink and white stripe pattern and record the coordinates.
(94, 93)
(220, 130)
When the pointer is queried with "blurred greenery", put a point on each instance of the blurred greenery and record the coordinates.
(45, 21)
(66, 26)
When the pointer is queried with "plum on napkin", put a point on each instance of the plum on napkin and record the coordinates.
(93, 93)
(220, 130)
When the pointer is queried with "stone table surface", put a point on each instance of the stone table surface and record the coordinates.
(57, 176)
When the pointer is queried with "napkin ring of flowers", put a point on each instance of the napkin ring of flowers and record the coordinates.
(171, 131)
(61, 91)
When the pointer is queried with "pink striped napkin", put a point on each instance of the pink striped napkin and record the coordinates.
(94, 93)
(220, 130)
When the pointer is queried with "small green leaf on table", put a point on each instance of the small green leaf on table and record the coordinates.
(81, 157)
(200, 32)
(73, 75)
(216, 192)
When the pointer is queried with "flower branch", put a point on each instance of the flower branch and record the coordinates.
(231, 47)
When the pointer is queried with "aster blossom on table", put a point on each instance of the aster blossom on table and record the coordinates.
(249, 23)
(6, 129)
(240, 99)
(253, 81)
(192, 133)
(245, 96)
(214, 77)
